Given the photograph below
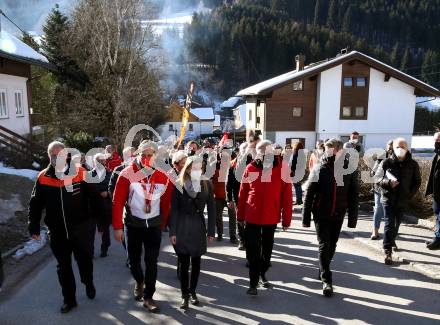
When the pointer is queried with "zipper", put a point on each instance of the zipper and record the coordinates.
(62, 209)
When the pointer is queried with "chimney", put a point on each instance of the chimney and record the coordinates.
(345, 51)
(300, 61)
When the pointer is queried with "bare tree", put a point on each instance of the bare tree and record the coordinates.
(120, 58)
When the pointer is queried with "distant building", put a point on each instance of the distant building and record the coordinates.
(201, 123)
(227, 108)
(333, 98)
(16, 59)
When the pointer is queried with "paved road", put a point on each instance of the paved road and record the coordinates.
(367, 292)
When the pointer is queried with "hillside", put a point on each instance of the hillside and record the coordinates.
(250, 40)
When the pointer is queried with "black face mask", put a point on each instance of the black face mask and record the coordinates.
(437, 147)
(191, 153)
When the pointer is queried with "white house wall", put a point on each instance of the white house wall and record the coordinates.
(391, 109)
(18, 124)
(199, 128)
(310, 137)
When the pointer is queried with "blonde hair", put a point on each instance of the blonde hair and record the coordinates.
(184, 174)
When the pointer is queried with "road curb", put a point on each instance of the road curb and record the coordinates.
(420, 267)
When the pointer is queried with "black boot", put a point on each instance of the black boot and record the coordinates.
(327, 289)
(68, 306)
(185, 303)
(265, 283)
(252, 291)
(434, 244)
(194, 300)
(90, 291)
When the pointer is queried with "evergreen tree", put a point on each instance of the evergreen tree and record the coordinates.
(331, 17)
(346, 24)
(430, 66)
(53, 45)
(394, 56)
(317, 16)
(406, 60)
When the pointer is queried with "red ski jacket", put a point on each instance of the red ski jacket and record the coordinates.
(264, 197)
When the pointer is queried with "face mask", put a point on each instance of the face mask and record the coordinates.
(191, 153)
(53, 161)
(355, 141)
(320, 151)
(437, 147)
(400, 152)
(196, 175)
(268, 160)
(146, 161)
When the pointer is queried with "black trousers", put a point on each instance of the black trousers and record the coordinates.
(259, 245)
(220, 205)
(393, 219)
(80, 244)
(105, 238)
(188, 286)
(1, 270)
(149, 239)
(242, 232)
(328, 232)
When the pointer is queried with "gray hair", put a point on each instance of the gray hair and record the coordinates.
(400, 140)
(53, 145)
(127, 152)
(178, 156)
(263, 144)
(243, 147)
(334, 143)
(147, 144)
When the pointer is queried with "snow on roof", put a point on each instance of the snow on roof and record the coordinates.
(231, 102)
(203, 113)
(217, 120)
(269, 84)
(15, 48)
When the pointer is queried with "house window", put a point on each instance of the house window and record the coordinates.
(250, 115)
(359, 111)
(348, 82)
(298, 85)
(361, 82)
(18, 95)
(297, 111)
(191, 127)
(258, 120)
(346, 111)
(3, 104)
(170, 127)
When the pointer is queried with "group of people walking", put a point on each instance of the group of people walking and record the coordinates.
(153, 190)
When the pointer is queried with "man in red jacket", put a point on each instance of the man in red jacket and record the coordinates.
(114, 159)
(145, 192)
(264, 199)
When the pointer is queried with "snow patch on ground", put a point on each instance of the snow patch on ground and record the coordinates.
(28, 173)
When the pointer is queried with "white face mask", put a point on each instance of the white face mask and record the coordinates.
(355, 141)
(400, 152)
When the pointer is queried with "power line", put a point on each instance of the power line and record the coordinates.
(10, 20)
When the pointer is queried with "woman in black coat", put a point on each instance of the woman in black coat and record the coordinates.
(187, 225)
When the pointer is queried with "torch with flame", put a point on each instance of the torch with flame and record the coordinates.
(185, 112)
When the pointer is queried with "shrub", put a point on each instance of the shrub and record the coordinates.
(81, 140)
